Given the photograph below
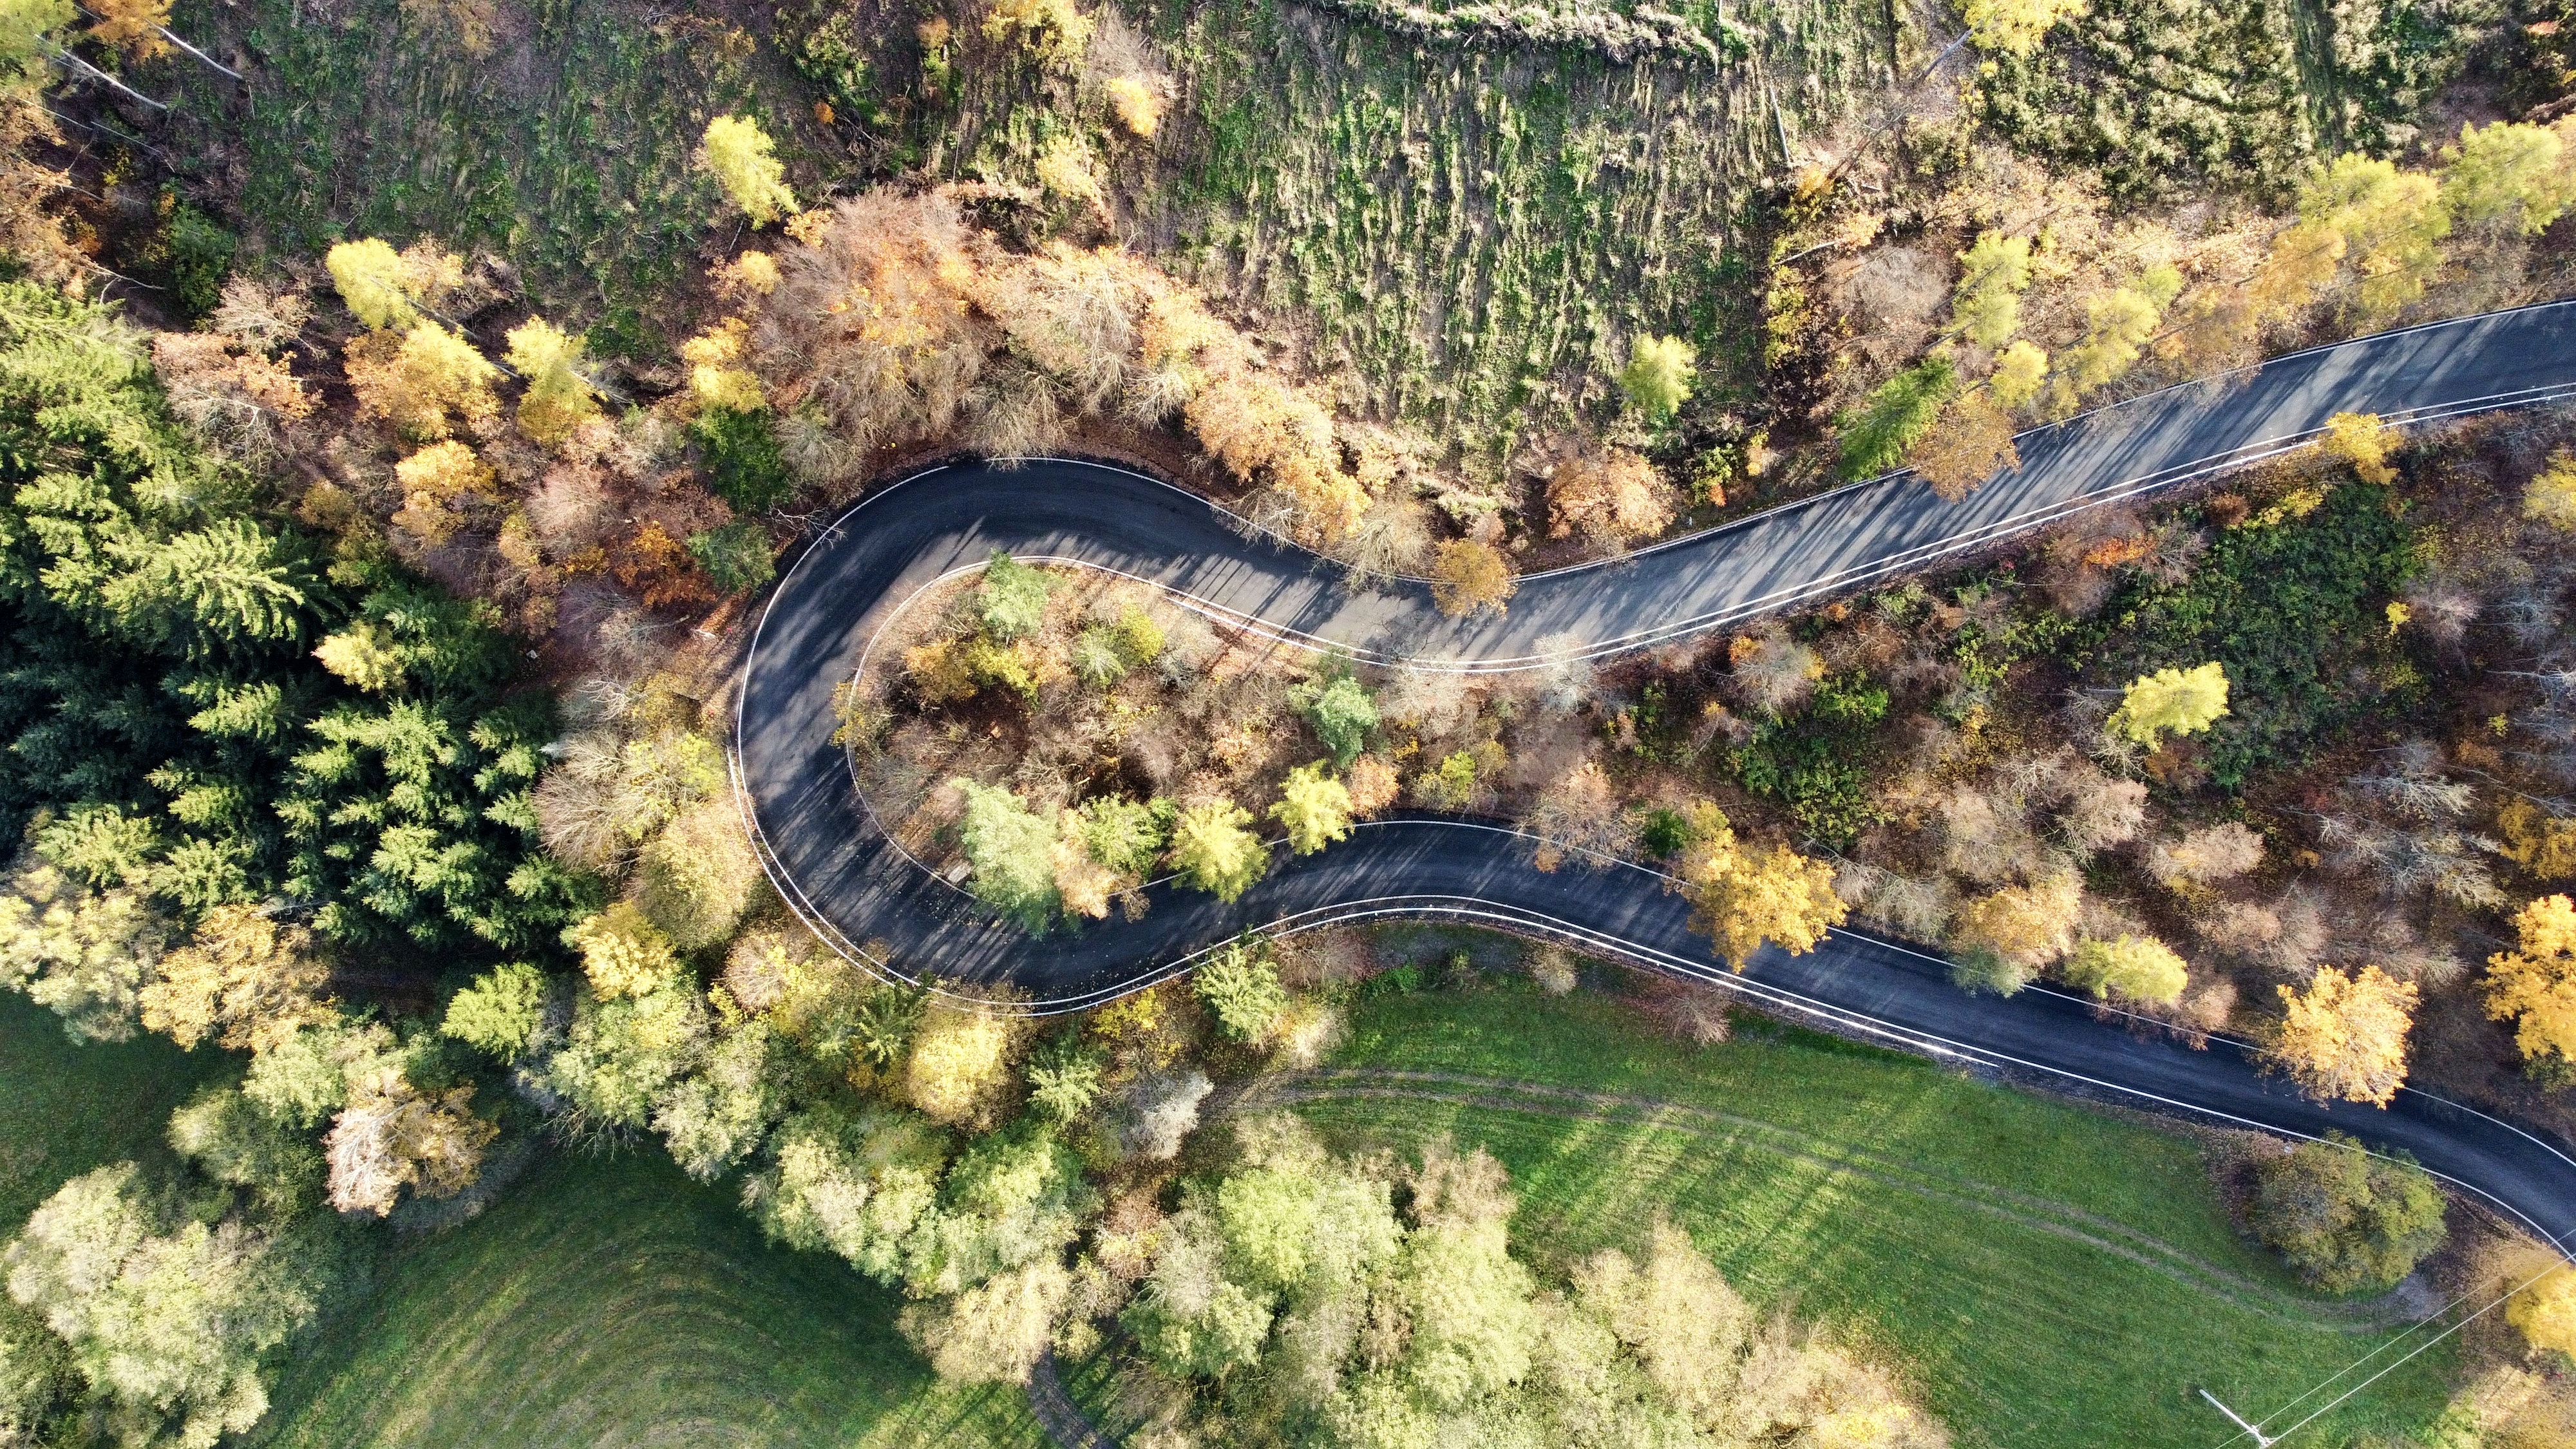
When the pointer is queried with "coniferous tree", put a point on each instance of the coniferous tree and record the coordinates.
(207, 715)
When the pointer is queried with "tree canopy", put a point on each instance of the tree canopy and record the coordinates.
(1742, 896)
(1212, 849)
(741, 158)
(1241, 988)
(2171, 701)
(2345, 1219)
(1011, 851)
(1313, 807)
(166, 1317)
(2133, 968)
(1659, 374)
(2345, 1036)
(2534, 985)
(2016, 27)
(2545, 1312)
(1341, 711)
(1260, 1291)
(170, 711)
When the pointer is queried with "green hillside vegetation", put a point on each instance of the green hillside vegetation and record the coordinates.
(1481, 233)
(2047, 1275)
(2277, 84)
(613, 1301)
(563, 145)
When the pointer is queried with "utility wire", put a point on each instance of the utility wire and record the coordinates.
(172, 36)
(2394, 1367)
(73, 62)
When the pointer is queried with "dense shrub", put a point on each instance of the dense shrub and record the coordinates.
(2295, 611)
(1341, 711)
(1893, 419)
(1815, 762)
(192, 255)
(744, 464)
(736, 556)
(2346, 1220)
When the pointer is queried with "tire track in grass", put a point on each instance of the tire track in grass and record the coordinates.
(2037, 1214)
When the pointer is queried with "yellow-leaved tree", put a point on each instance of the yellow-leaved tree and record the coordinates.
(1742, 896)
(133, 26)
(623, 953)
(1314, 807)
(420, 381)
(558, 398)
(433, 480)
(2028, 926)
(2550, 496)
(2508, 178)
(1467, 575)
(717, 378)
(2133, 968)
(2170, 701)
(2020, 371)
(1659, 374)
(1212, 849)
(2545, 1312)
(2344, 1038)
(2392, 223)
(387, 289)
(958, 1071)
(743, 160)
(2363, 441)
(1055, 33)
(2539, 842)
(1985, 307)
(1138, 101)
(2534, 985)
(2119, 322)
(243, 979)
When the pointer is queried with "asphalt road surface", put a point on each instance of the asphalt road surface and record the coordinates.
(872, 901)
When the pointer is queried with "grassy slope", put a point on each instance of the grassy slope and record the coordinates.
(1477, 234)
(69, 1107)
(1928, 1211)
(567, 149)
(614, 1302)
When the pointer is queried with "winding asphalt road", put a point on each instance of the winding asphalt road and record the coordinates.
(874, 903)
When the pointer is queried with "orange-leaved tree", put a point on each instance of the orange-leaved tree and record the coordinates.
(1742, 896)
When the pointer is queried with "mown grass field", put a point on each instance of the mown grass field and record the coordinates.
(615, 1302)
(2051, 1278)
(69, 1107)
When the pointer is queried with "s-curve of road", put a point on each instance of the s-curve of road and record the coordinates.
(872, 901)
